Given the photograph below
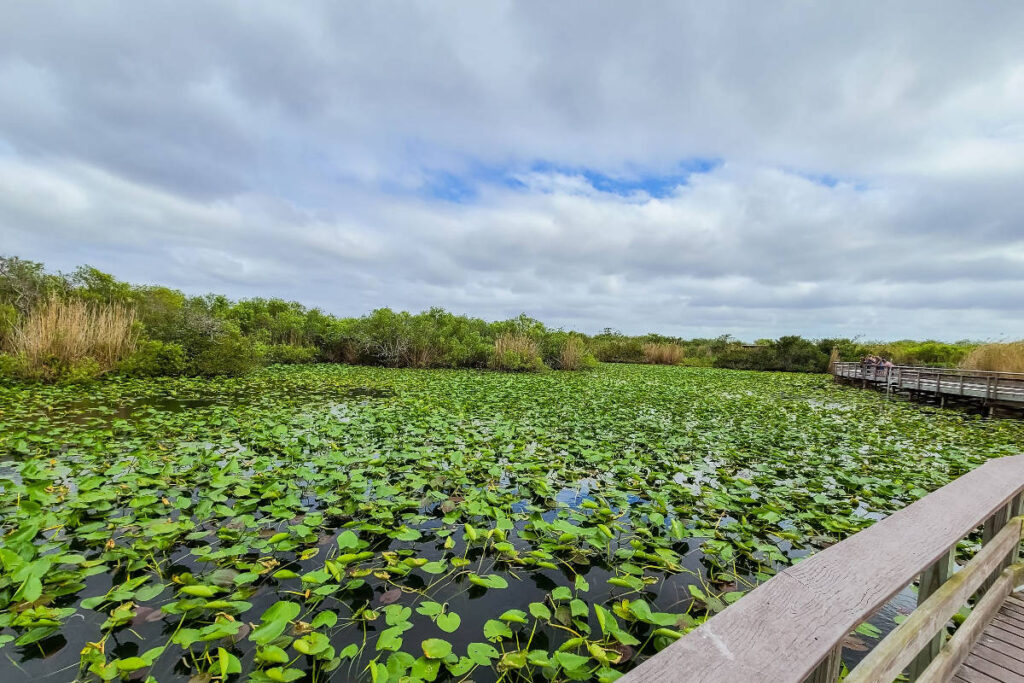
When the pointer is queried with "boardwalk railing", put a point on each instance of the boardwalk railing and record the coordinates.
(988, 387)
(791, 628)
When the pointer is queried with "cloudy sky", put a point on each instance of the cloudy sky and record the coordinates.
(690, 168)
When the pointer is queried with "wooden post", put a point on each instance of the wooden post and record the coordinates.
(993, 525)
(1016, 510)
(828, 670)
(931, 578)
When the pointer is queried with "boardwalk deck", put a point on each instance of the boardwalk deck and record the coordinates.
(998, 656)
(987, 388)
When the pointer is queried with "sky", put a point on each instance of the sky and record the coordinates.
(695, 169)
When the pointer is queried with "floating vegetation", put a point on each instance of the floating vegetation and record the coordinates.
(352, 523)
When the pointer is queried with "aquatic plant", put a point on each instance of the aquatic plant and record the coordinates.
(370, 523)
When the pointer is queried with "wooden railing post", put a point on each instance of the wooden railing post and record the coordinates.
(993, 525)
(1016, 510)
(828, 670)
(931, 579)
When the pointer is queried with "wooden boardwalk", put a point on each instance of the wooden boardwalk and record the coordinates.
(999, 653)
(791, 628)
(990, 389)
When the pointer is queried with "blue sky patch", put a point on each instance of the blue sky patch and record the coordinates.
(464, 187)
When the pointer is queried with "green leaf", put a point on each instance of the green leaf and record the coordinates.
(570, 661)
(326, 618)
(516, 616)
(312, 644)
(562, 593)
(540, 610)
(272, 654)
(869, 630)
(347, 540)
(482, 653)
(274, 621)
(439, 567)
(495, 630)
(448, 622)
(129, 664)
(430, 609)
(426, 669)
(229, 663)
(281, 675)
(436, 648)
(31, 589)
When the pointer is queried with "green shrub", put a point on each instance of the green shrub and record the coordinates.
(228, 354)
(285, 354)
(10, 367)
(52, 370)
(566, 351)
(154, 358)
(8, 323)
(786, 354)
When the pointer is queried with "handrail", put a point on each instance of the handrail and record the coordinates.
(901, 647)
(794, 622)
(926, 368)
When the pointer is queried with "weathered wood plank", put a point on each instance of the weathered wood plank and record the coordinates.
(997, 657)
(972, 676)
(899, 648)
(1015, 652)
(995, 631)
(952, 656)
(1011, 611)
(994, 670)
(931, 579)
(782, 629)
(1008, 626)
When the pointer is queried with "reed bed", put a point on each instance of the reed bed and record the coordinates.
(515, 352)
(66, 332)
(1003, 357)
(663, 354)
(573, 355)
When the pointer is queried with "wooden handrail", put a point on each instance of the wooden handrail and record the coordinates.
(891, 656)
(782, 630)
(924, 368)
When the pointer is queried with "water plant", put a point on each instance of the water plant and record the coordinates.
(359, 523)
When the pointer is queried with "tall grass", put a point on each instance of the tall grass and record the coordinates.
(64, 333)
(663, 354)
(833, 358)
(573, 355)
(515, 352)
(1007, 357)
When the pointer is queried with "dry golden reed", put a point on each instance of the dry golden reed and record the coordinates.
(663, 354)
(514, 351)
(572, 355)
(1006, 357)
(67, 331)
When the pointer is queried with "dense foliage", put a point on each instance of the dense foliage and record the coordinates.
(367, 523)
(211, 335)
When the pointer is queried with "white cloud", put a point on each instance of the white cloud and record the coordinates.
(871, 158)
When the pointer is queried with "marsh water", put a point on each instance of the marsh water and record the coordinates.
(351, 449)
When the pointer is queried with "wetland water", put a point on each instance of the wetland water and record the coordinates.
(314, 522)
